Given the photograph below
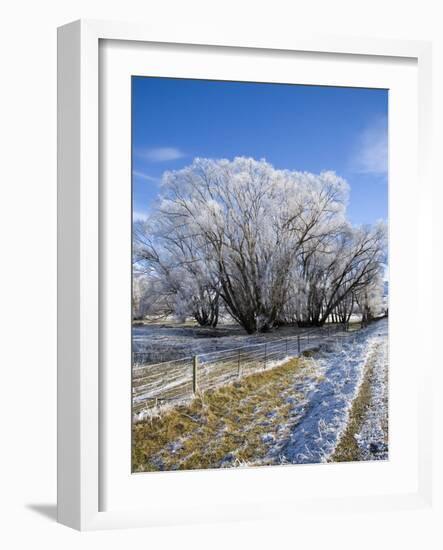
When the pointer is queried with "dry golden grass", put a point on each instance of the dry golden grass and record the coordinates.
(222, 427)
(347, 449)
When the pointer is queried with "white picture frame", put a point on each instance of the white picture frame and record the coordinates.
(81, 413)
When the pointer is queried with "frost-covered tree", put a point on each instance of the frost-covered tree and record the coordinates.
(273, 245)
(330, 272)
(370, 299)
(181, 284)
(250, 221)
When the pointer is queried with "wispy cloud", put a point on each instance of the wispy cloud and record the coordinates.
(143, 176)
(371, 155)
(161, 154)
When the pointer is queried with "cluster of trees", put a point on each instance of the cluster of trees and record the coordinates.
(265, 246)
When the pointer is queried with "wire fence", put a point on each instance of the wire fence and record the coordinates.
(173, 381)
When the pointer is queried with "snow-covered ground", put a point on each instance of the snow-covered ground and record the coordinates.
(156, 343)
(320, 415)
(301, 415)
(171, 381)
(372, 438)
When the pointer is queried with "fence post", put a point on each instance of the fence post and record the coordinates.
(238, 365)
(265, 355)
(286, 342)
(195, 363)
(298, 344)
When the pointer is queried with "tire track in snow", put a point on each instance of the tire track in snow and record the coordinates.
(372, 438)
(328, 403)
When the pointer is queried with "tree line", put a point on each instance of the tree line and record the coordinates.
(265, 246)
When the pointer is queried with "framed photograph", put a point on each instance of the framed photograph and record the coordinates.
(241, 229)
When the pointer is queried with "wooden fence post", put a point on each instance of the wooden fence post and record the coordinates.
(265, 355)
(298, 344)
(195, 363)
(238, 365)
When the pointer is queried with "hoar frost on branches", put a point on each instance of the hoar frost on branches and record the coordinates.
(267, 246)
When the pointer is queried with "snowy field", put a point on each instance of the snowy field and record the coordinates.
(321, 415)
(169, 341)
(223, 357)
(372, 439)
(298, 418)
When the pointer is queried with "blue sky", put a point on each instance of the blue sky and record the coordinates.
(310, 128)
